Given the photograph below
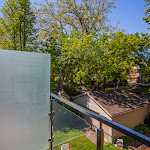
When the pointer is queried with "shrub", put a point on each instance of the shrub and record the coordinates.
(147, 120)
(126, 139)
(142, 128)
(129, 86)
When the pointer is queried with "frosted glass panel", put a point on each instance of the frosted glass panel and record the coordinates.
(24, 100)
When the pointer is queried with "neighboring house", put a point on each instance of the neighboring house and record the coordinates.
(135, 76)
(122, 106)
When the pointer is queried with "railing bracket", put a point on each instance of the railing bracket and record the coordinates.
(51, 113)
(50, 140)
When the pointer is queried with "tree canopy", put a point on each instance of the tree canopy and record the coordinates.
(147, 11)
(17, 25)
(77, 34)
(99, 59)
(66, 15)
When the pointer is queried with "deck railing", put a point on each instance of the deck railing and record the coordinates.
(133, 134)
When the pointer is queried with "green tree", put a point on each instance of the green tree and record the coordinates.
(98, 59)
(17, 25)
(120, 56)
(52, 46)
(122, 52)
(147, 11)
(66, 15)
(77, 52)
(143, 56)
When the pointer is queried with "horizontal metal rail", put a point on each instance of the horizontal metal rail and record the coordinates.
(133, 134)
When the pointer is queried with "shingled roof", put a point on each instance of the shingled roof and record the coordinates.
(120, 101)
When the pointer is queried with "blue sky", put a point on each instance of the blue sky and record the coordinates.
(128, 12)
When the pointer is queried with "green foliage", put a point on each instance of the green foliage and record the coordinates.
(71, 90)
(82, 52)
(142, 128)
(87, 55)
(78, 51)
(120, 55)
(142, 89)
(129, 86)
(51, 45)
(87, 58)
(147, 11)
(126, 139)
(111, 146)
(65, 15)
(17, 25)
(142, 58)
(145, 70)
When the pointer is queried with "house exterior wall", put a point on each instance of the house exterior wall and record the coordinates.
(135, 76)
(87, 102)
(130, 119)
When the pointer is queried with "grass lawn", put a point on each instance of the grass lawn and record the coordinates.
(64, 135)
(76, 140)
(81, 143)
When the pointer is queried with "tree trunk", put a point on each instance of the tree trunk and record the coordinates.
(24, 35)
(99, 85)
(117, 84)
(104, 84)
(20, 38)
(14, 42)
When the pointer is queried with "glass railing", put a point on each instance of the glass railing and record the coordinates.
(74, 133)
(67, 125)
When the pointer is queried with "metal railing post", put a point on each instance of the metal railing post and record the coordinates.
(100, 125)
(51, 113)
(100, 139)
